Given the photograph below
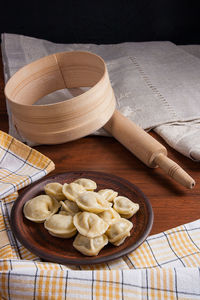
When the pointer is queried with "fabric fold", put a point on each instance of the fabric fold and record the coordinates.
(20, 165)
(33, 283)
(182, 136)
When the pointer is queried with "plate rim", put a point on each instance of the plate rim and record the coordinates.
(96, 260)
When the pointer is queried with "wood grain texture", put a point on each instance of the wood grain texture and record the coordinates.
(146, 148)
(172, 204)
(68, 120)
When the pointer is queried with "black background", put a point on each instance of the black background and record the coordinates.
(104, 22)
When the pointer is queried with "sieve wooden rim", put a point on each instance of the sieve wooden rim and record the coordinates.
(67, 120)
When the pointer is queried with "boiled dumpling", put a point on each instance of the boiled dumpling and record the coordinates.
(120, 241)
(92, 202)
(89, 224)
(88, 184)
(118, 231)
(90, 246)
(39, 208)
(109, 216)
(70, 206)
(63, 212)
(125, 207)
(108, 194)
(54, 189)
(60, 225)
(72, 190)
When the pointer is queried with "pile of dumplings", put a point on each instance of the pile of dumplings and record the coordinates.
(98, 217)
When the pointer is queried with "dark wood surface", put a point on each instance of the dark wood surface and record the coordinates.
(172, 204)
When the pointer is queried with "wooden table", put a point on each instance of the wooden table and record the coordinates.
(172, 204)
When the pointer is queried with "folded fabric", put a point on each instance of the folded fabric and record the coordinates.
(31, 281)
(20, 165)
(182, 136)
(155, 83)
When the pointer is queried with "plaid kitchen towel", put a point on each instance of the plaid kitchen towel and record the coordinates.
(20, 165)
(165, 266)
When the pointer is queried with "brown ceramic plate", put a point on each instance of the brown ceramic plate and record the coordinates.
(37, 239)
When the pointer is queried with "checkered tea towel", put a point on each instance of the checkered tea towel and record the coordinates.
(20, 165)
(165, 266)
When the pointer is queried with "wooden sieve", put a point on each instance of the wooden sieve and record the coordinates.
(68, 120)
(82, 115)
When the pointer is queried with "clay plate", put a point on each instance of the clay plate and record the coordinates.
(37, 239)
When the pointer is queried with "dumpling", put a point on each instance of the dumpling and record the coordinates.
(109, 216)
(92, 202)
(108, 194)
(89, 224)
(88, 184)
(63, 212)
(72, 190)
(70, 206)
(54, 189)
(118, 231)
(125, 207)
(90, 246)
(60, 225)
(39, 208)
(120, 241)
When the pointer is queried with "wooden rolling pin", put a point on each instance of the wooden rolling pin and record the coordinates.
(146, 148)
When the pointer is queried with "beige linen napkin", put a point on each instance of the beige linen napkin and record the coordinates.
(184, 136)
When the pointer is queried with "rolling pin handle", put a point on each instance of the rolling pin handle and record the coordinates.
(146, 148)
(174, 170)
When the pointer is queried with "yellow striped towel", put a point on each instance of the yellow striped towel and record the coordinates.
(165, 266)
(20, 165)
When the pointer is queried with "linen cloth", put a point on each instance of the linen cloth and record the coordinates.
(155, 83)
(165, 266)
(184, 136)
